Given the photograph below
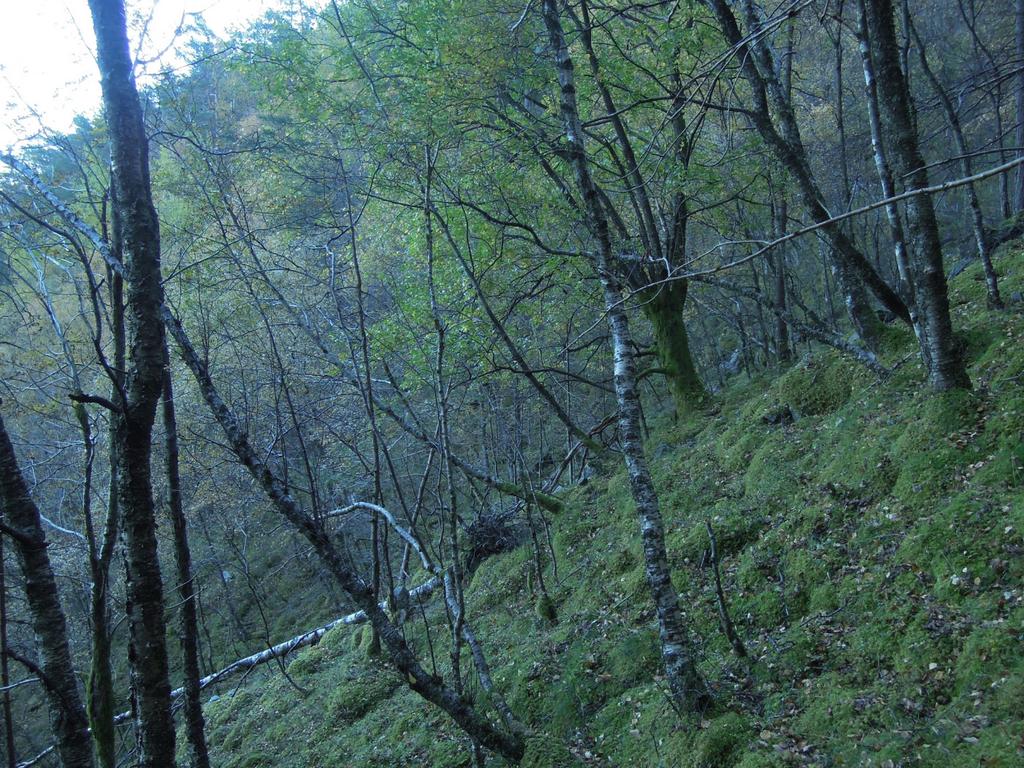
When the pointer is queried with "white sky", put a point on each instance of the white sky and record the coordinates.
(47, 66)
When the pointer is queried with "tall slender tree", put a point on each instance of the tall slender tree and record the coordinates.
(943, 361)
(688, 687)
(199, 756)
(139, 236)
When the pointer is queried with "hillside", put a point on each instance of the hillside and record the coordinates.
(870, 535)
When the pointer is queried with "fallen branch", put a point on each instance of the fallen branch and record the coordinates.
(681, 272)
(724, 620)
(305, 640)
(12, 686)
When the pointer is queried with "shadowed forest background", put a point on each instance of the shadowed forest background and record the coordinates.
(539, 383)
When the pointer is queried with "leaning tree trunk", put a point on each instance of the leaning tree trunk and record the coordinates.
(688, 689)
(939, 348)
(24, 526)
(139, 236)
(431, 688)
(773, 117)
(967, 167)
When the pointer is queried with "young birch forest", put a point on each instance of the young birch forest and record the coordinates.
(521, 382)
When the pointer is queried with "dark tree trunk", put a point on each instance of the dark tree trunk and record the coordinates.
(967, 167)
(663, 306)
(100, 701)
(884, 171)
(23, 524)
(837, 79)
(5, 674)
(139, 236)
(780, 220)
(189, 627)
(942, 356)
(781, 133)
(1018, 184)
(689, 690)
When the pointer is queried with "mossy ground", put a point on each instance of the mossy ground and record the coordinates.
(871, 552)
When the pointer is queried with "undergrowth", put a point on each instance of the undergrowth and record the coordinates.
(871, 551)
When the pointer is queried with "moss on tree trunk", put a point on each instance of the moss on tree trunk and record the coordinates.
(663, 307)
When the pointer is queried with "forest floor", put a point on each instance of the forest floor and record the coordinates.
(871, 538)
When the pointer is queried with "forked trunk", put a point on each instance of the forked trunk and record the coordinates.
(139, 237)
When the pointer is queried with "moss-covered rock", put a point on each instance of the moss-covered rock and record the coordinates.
(359, 692)
(816, 386)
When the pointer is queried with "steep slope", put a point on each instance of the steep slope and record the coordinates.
(871, 538)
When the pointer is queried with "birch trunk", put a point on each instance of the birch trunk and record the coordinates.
(688, 688)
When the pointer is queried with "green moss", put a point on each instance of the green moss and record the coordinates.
(760, 758)
(546, 752)
(360, 636)
(874, 537)
(624, 560)
(359, 692)
(935, 441)
(815, 386)
(722, 742)
(734, 528)
(774, 468)
(252, 760)
(545, 610)
(307, 662)
(565, 705)
(634, 659)
(449, 753)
